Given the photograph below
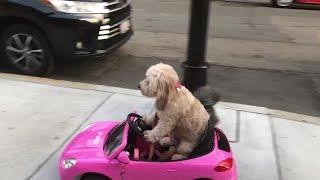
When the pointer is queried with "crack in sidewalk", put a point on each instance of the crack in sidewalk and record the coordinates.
(275, 148)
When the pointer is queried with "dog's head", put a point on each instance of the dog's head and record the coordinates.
(160, 81)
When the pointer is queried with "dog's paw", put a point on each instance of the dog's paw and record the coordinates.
(166, 141)
(145, 118)
(149, 136)
(178, 157)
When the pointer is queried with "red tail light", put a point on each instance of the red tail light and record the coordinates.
(224, 165)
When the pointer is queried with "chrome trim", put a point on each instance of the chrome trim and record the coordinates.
(106, 27)
(104, 32)
(124, 6)
(110, 30)
(117, 9)
(106, 4)
(103, 37)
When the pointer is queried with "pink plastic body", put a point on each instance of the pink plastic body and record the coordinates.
(87, 148)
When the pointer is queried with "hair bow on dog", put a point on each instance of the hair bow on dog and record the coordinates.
(178, 86)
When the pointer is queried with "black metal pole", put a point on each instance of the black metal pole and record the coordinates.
(195, 67)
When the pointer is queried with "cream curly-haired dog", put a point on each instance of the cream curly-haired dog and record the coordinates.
(182, 118)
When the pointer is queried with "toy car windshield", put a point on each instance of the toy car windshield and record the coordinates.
(115, 138)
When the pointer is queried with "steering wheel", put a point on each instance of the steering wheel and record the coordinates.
(137, 124)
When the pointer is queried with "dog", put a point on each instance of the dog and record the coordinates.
(182, 118)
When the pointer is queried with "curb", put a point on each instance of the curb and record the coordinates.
(93, 87)
(69, 84)
(271, 112)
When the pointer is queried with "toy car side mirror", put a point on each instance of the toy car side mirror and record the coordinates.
(123, 157)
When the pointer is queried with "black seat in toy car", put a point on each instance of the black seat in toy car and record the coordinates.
(206, 143)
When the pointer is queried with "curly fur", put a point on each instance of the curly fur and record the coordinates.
(182, 118)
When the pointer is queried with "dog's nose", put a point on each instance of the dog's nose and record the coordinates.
(139, 86)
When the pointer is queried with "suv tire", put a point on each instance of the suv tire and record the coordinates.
(26, 50)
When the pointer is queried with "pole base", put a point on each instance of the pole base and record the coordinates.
(194, 76)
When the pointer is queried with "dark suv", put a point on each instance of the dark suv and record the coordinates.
(35, 33)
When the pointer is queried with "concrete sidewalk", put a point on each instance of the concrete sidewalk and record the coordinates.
(38, 116)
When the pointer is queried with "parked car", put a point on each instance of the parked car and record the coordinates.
(35, 33)
(111, 150)
(288, 3)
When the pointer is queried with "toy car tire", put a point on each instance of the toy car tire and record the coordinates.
(94, 177)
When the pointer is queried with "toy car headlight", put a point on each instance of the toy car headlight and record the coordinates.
(69, 163)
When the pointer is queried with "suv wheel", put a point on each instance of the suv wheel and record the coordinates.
(282, 3)
(26, 50)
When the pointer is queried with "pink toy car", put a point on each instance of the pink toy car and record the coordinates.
(112, 150)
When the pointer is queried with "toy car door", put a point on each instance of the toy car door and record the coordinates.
(140, 170)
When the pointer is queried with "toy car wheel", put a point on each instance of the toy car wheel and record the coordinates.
(26, 50)
(94, 177)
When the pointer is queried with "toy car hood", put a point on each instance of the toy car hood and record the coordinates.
(90, 141)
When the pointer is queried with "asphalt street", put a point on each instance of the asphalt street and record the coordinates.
(293, 92)
(259, 55)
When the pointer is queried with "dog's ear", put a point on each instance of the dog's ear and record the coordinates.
(163, 93)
